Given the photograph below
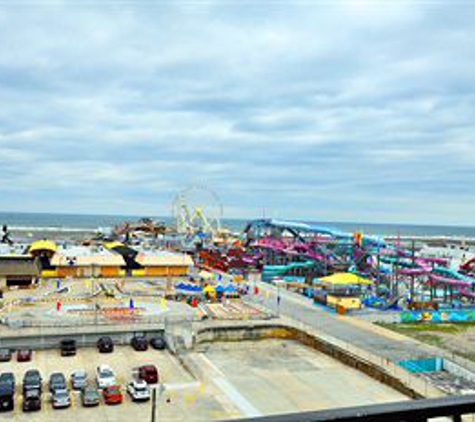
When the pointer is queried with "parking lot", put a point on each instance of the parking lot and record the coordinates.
(235, 380)
(184, 398)
(280, 376)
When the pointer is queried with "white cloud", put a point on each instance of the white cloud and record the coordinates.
(352, 110)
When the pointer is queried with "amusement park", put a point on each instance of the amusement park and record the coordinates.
(368, 309)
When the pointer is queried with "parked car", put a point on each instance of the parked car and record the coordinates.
(57, 381)
(105, 345)
(31, 401)
(148, 373)
(7, 397)
(105, 376)
(32, 380)
(158, 342)
(139, 390)
(90, 396)
(24, 355)
(79, 379)
(68, 347)
(112, 394)
(60, 399)
(139, 343)
(5, 355)
(7, 378)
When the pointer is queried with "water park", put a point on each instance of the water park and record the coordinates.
(348, 271)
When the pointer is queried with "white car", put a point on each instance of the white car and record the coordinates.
(139, 390)
(105, 376)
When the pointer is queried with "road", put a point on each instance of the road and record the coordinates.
(349, 329)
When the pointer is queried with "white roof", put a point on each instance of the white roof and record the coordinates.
(163, 258)
(85, 256)
(12, 250)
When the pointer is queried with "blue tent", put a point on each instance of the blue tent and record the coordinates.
(220, 289)
(230, 289)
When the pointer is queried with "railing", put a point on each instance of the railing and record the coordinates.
(417, 410)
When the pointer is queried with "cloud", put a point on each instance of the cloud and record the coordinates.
(350, 110)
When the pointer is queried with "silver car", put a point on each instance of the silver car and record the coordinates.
(79, 379)
(90, 396)
(61, 399)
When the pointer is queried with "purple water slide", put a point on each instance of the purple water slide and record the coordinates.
(451, 281)
(466, 293)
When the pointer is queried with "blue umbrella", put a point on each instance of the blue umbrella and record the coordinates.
(220, 289)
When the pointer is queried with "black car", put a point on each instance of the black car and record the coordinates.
(57, 381)
(31, 401)
(139, 343)
(5, 355)
(158, 342)
(32, 380)
(105, 345)
(7, 397)
(68, 347)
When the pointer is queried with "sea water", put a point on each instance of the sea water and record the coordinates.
(49, 222)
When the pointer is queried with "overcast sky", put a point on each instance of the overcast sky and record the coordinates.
(351, 110)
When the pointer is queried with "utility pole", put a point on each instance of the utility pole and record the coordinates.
(154, 404)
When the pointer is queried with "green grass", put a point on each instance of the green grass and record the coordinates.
(422, 327)
(430, 333)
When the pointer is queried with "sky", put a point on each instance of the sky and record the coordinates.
(320, 110)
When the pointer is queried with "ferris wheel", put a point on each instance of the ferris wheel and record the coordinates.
(197, 209)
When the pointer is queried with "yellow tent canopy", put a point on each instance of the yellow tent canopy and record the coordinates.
(209, 289)
(345, 278)
(43, 245)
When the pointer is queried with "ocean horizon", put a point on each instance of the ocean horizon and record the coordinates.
(54, 222)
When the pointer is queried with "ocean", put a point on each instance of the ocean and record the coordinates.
(30, 223)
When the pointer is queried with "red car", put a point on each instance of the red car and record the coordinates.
(24, 355)
(112, 394)
(148, 373)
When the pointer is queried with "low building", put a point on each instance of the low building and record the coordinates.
(163, 263)
(18, 270)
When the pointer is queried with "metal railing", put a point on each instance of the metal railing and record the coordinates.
(418, 411)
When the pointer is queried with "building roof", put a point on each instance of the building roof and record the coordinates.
(84, 256)
(16, 249)
(59, 260)
(163, 259)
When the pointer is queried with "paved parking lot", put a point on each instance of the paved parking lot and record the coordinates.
(236, 380)
(184, 397)
(275, 376)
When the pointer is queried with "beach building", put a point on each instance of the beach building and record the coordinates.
(163, 263)
(84, 261)
(16, 267)
(342, 290)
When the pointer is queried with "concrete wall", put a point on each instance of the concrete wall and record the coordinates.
(83, 339)
(457, 370)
